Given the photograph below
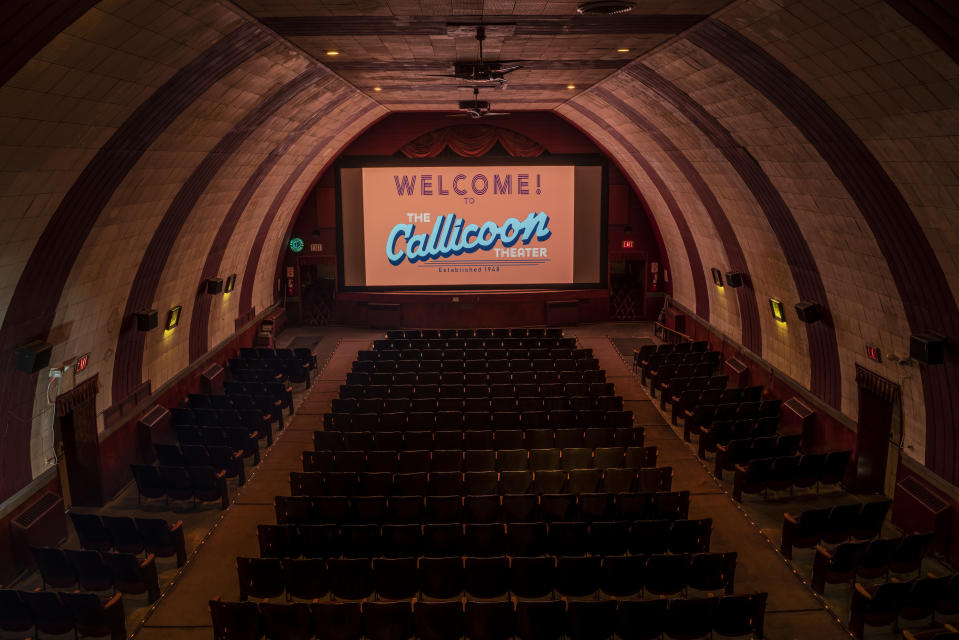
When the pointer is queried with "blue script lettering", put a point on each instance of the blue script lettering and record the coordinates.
(450, 237)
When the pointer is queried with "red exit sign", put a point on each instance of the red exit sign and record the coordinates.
(873, 353)
(81, 363)
(627, 244)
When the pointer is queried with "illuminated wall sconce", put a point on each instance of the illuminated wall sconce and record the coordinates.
(230, 281)
(173, 317)
(778, 309)
(717, 277)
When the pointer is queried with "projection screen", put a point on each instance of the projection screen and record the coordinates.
(471, 226)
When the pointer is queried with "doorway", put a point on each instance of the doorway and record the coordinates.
(627, 289)
(879, 403)
(78, 445)
(317, 291)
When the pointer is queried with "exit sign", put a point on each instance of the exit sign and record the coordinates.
(873, 353)
(81, 363)
(627, 244)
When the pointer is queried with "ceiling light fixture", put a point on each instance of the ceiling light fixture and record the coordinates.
(377, 88)
(605, 7)
(332, 52)
(571, 86)
(622, 50)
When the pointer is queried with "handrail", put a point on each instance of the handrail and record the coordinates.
(667, 334)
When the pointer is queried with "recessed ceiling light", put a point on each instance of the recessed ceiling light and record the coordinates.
(622, 50)
(332, 52)
(571, 86)
(377, 88)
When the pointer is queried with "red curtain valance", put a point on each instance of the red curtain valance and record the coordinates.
(877, 385)
(83, 392)
(472, 142)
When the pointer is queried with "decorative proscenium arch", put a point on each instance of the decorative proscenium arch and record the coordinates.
(689, 242)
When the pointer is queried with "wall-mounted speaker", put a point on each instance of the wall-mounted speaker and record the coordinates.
(928, 347)
(33, 356)
(734, 279)
(146, 319)
(808, 311)
(214, 285)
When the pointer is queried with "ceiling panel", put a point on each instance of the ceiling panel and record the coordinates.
(404, 47)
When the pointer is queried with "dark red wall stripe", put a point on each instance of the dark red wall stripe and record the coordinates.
(938, 20)
(127, 365)
(34, 302)
(689, 243)
(920, 280)
(200, 318)
(752, 337)
(825, 373)
(249, 273)
(27, 26)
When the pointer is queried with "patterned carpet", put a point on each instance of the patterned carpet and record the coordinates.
(625, 346)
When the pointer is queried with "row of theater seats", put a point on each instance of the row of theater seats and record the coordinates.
(97, 571)
(726, 616)
(236, 438)
(494, 577)
(722, 432)
(478, 507)
(533, 438)
(474, 345)
(742, 451)
(462, 378)
(204, 484)
(704, 415)
(895, 601)
(460, 420)
(542, 481)
(48, 612)
(856, 521)
(482, 366)
(152, 536)
(485, 352)
(485, 539)
(870, 560)
(684, 393)
(472, 390)
(786, 472)
(680, 367)
(482, 332)
(221, 458)
(533, 458)
(447, 483)
(255, 421)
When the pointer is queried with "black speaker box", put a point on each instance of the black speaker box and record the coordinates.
(33, 356)
(214, 285)
(734, 279)
(808, 311)
(928, 347)
(146, 319)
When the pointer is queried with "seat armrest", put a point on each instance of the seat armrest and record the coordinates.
(790, 518)
(861, 591)
(740, 468)
(822, 550)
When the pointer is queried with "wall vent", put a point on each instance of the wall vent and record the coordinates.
(42, 524)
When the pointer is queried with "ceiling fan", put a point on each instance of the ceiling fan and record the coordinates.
(476, 108)
(481, 72)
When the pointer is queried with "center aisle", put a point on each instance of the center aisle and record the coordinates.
(791, 610)
(183, 612)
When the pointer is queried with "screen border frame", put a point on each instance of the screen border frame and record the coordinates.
(588, 160)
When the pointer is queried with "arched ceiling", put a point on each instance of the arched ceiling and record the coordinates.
(149, 144)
